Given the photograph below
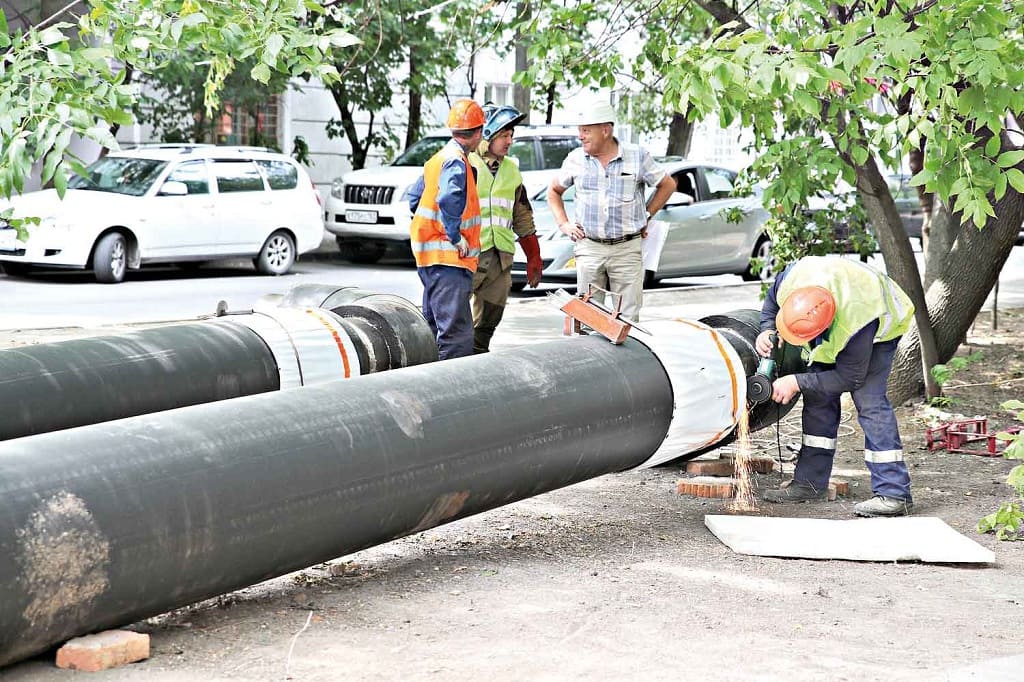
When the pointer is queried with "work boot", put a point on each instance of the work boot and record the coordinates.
(795, 491)
(883, 506)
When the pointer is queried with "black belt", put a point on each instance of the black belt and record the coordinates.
(617, 240)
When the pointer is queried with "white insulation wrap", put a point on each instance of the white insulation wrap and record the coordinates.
(309, 345)
(709, 390)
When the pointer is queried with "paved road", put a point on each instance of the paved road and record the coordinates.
(73, 299)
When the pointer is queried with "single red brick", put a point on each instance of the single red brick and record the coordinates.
(107, 649)
(842, 487)
(710, 467)
(706, 486)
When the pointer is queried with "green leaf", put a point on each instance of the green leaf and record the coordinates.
(1016, 178)
(261, 73)
(194, 19)
(51, 36)
(341, 38)
(60, 181)
(1016, 477)
(992, 146)
(273, 48)
(1009, 159)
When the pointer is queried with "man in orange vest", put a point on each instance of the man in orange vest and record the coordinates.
(445, 232)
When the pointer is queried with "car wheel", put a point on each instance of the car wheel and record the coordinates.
(763, 252)
(650, 278)
(518, 286)
(277, 255)
(16, 269)
(362, 252)
(110, 258)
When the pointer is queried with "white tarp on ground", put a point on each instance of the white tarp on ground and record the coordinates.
(906, 538)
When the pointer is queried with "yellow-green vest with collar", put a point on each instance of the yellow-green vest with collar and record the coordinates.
(497, 194)
(862, 294)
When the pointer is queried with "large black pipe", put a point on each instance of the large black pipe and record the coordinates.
(52, 386)
(106, 524)
(48, 387)
(110, 523)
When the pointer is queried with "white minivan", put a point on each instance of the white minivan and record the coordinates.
(365, 210)
(182, 204)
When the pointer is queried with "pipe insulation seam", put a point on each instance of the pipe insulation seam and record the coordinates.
(310, 346)
(706, 374)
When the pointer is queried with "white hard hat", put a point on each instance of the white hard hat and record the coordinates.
(602, 112)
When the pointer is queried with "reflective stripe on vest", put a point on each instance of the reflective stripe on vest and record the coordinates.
(497, 199)
(427, 237)
(862, 294)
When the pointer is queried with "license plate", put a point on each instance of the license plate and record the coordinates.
(360, 216)
(8, 240)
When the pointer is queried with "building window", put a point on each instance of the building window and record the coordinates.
(256, 125)
(498, 93)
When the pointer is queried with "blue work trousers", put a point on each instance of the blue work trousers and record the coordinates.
(883, 449)
(446, 291)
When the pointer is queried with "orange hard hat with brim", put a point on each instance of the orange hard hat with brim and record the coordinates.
(465, 115)
(805, 314)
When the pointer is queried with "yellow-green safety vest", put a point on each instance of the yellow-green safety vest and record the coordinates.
(862, 294)
(497, 196)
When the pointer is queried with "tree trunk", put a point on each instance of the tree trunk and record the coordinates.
(955, 298)
(348, 124)
(412, 130)
(551, 102)
(900, 263)
(936, 248)
(520, 94)
(680, 134)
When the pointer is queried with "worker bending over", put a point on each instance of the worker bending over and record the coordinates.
(848, 319)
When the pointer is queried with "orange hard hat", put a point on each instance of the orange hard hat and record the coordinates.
(805, 314)
(465, 115)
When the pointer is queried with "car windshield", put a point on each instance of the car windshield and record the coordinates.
(119, 175)
(420, 152)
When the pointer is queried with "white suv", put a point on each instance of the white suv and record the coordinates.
(365, 210)
(170, 204)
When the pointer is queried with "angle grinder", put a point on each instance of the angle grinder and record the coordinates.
(759, 384)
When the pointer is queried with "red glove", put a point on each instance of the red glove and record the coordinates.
(531, 247)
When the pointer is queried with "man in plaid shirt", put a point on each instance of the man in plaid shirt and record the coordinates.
(610, 213)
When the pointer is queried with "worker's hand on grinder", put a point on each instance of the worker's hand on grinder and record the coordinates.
(534, 267)
(784, 389)
(766, 342)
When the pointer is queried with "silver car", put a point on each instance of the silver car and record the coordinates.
(710, 231)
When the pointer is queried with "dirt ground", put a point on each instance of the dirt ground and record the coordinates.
(619, 578)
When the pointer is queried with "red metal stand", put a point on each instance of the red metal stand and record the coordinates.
(956, 436)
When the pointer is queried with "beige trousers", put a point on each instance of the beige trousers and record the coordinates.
(617, 268)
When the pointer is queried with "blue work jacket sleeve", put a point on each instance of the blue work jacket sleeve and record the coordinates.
(451, 199)
(414, 193)
(851, 366)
